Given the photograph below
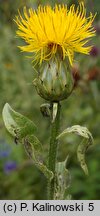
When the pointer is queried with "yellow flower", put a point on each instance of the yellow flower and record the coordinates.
(47, 29)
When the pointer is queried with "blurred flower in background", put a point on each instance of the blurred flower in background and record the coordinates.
(93, 74)
(5, 154)
(10, 166)
(95, 51)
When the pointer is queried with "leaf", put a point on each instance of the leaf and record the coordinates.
(77, 129)
(81, 150)
(83, 146)
(17, 124)
(45, 110)
(34, 149)
(23, 130)
(62, 180)
(55, 108)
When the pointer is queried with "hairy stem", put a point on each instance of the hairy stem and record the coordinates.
(53, 149)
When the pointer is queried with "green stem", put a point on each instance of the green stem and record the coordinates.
(53, 150)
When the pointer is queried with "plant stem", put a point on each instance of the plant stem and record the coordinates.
(53, 149)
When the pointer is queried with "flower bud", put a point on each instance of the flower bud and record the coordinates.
(55, 80)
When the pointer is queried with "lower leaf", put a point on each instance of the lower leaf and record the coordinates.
(23, 129)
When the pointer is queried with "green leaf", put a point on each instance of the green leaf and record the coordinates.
(17, 124)
(33, 148)
(83, 146)
(23, 129)
(77, 129)
(81, 150)
(62, 180)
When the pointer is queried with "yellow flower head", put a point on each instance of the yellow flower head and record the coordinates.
(45, 30)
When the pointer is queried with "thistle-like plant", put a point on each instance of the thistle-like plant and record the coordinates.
(52, 35)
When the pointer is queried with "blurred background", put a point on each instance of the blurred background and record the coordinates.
(19, 179)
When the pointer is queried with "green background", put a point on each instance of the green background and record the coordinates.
(24, 181)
